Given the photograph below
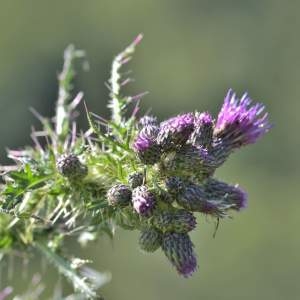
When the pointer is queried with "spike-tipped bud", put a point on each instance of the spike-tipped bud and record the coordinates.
(119, 195)
(175, 220)
(179, 249)
(239, 123)
(143, 200)
(150, 239)
(190, 161)
(195, 199)
(175, 131)
(146, 147)
(174, 185)
(223, 192)
(135, 179)
(70, 167)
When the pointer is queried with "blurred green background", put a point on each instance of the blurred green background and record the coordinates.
(193, 51)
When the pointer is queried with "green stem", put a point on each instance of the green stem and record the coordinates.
(64, 92)
(116, 104)
(64, 267)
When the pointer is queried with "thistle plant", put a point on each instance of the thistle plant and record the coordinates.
(130, 171)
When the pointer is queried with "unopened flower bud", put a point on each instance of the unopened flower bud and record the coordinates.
(190, 161)
(174, 185)
(175, 220)
(119, 195)
(150, 239)
(143, 200)
(195, 199)
(70, 166)
(229, 194)
(175, 132)
(146, 147)
(179, 249)
(135, 179)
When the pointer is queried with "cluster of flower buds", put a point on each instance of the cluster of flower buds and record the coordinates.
(180, 156)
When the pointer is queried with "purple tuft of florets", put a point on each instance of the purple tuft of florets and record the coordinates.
(203, 119)
(145, 145)
(146, 138)
(239, 123)
(143, 200)
(175, 131)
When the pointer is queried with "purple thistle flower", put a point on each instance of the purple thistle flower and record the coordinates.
(231, 194)
(175, 131)
(179, 249)
(145, 145)
(239, 123)
(143, 200)
(203, 132)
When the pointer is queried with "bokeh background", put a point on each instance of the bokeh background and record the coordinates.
(193, 51)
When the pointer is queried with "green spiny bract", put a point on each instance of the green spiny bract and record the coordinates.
(150, 239)
(132, 172)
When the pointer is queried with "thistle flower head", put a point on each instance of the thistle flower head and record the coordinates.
(196, 199)
(70, 166)
(175, 131)
(145, 145)
(150, 239)
(119, 195)
(203, 119)
(164, 196)
(143, 200)
(135, 179)
(190, 161)
(174, 220)
(174, 185)
(148, 120)
(179, 249)
(203, 133)
(229, 194)
(239, 123)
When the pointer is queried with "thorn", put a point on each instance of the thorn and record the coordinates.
(76, 101)
(37, 114)
(216, 227)
(138, 96)
(138, 39)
